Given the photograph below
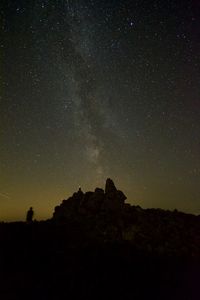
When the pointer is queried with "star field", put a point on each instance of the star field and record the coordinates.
(97, 89)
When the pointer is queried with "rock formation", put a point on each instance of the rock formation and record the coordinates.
(103, 216)
(92, 202)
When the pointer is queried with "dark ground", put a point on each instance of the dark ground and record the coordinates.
(49, 260)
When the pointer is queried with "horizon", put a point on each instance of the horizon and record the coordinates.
(40, 213)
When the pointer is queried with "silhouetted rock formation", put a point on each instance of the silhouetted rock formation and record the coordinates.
(103, 215)
(97, 245)
(112, 200)
(110, 187)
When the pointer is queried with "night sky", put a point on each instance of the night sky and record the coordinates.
(95, 89)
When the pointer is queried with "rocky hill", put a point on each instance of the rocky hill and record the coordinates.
(96, 246)
(103, 215)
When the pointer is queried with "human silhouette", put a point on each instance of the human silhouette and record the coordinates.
(29, 215)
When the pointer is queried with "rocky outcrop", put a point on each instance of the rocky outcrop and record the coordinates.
(103, 216)
(110, 187)
(114, 199)
(110, 200)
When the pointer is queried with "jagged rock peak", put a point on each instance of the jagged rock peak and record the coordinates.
(110, 186)
(91, 203)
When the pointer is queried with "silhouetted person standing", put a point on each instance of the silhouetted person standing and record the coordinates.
(29, 216)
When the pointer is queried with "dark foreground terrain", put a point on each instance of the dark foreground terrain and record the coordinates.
(97, 247)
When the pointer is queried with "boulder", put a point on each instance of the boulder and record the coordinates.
(114, 199)
(110, 187)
